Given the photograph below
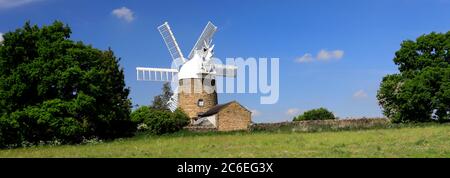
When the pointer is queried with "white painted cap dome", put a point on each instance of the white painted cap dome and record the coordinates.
(192, 68)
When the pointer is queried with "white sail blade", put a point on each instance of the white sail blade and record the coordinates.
(225, 70)
(171, 42)
(205, 37)
(156, 74)
(173, 102)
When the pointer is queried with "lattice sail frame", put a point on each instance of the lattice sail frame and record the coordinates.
(171, 42)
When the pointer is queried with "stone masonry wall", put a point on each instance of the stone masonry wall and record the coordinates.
(233, 117)
(314, 125)
(190, 92)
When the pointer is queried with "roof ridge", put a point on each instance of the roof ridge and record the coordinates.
(216, 109)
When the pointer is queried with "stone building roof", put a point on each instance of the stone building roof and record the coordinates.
(218, 108)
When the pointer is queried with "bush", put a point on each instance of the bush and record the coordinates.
(52, 88)
(159, 121)
(141, 114)
(315, 114)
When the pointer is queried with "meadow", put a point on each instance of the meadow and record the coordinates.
(430, 140)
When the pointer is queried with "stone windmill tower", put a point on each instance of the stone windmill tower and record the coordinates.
(195, 75)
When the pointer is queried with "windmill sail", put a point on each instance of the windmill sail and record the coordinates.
(205, 37)
(156, 74)
(172, 104)
(170, 41)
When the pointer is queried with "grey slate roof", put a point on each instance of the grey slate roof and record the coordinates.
(218, 108)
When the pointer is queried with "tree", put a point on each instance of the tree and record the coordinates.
(54, 88)
(315, 114)
(421, 91)
(160, 101)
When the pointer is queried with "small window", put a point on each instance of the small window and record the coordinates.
(200, 103)
(209, 82)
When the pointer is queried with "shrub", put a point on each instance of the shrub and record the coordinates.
(315, 114)
(159, 121)
(52, 88)
(141, 114)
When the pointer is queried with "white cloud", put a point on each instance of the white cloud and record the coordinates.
(1, 37)
(14, 3)
(292, 111)
(327, 55)
(360, 94)
(124, 13)
(305, 58)
(255, 113)
(323, 55)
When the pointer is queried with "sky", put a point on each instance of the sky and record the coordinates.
(332, 54)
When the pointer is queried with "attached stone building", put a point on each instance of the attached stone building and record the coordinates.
(225, 117)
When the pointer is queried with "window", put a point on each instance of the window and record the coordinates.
(200, 103)
(209, 82)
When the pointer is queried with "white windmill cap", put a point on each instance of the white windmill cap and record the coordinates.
(192, 68)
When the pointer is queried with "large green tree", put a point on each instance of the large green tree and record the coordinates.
(421, 91)
(54, 88)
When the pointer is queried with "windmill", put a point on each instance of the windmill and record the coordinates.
(198, 68)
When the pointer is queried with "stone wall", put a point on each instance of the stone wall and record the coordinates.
(200, 128)
(233, 117)
(317, 125)
(190, 91)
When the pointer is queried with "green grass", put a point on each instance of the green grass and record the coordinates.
(421, 141)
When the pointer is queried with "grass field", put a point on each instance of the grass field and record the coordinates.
(423, 141)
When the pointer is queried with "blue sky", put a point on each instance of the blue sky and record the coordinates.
(358, 40)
